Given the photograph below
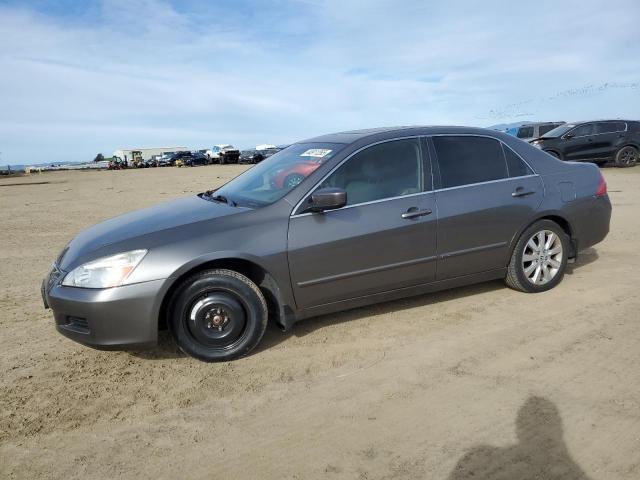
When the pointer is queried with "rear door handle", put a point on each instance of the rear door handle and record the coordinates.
(521, 192)
(413, 212)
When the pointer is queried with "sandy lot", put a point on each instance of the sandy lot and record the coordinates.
(479, 382)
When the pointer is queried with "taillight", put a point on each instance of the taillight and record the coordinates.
(601, 191)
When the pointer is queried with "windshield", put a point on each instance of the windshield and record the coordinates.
(558, 131)
(273, 178)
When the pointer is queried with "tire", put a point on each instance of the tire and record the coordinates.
(292, 180)
(529, 276)
(217, 315)
(223, 161)
(553, 153)
(626, 157)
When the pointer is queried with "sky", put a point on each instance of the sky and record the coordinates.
(78, 78)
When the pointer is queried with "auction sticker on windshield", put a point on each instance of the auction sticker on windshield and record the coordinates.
(316, 152)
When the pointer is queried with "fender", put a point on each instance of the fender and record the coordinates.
(281, 299)
(548, 214)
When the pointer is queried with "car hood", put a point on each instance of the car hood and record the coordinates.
(138, 223)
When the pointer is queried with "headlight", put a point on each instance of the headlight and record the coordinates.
(104, 272)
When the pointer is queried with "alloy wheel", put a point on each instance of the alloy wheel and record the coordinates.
(542, 257)
(627, 156)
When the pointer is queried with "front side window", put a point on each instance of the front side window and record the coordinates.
(387, 170)
(583, 130)
(273, 178)
(464, 160)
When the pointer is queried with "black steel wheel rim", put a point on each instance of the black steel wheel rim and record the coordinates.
(216, 319)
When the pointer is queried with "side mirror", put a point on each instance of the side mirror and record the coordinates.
(326, 199)
(569, 135)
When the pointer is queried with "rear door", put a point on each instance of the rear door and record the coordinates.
(486, 193)
(607, 138)
(383, 239)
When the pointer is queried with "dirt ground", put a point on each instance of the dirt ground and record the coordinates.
(479, 382)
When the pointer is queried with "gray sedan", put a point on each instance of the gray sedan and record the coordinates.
(327, 224)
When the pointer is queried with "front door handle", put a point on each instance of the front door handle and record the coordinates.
(521, 192)
(413, 212)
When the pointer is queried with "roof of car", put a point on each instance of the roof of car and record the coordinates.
(355, 135)
(600, 120)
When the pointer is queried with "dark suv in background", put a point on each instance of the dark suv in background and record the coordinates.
(189, 159)
(599, 142)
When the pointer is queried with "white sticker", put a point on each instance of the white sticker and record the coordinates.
(316, 152)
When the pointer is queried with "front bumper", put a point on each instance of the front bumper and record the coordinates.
(111, 319)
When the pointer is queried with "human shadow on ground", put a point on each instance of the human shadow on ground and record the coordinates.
(540, 453)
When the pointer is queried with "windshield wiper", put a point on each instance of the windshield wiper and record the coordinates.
(219, 198)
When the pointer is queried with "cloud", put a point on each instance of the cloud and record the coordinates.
(97, 76)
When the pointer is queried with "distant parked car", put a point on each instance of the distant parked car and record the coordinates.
(179, 157)
(291, 176)
(599, 142)
(255, 155)
(530, 131)
(152, 162)
(188, 159)
(165, 159)
(224, 153)
(267, 152)
(250, 156)
(196, 158)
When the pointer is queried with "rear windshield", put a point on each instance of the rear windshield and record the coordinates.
(273, 178)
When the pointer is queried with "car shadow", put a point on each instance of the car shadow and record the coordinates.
(539, 454)
(585, 257)
(167, 348)
(274, 335)
(164, 350)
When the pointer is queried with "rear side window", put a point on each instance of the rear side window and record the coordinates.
(465, 160)
(605, 127)
(387, 170)
(525, 132)
(610, 127)
(515, 165)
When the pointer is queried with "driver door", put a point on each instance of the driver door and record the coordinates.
(383, 239)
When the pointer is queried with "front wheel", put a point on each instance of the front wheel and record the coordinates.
(626, 157)
(217, 315)
(539, 259)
